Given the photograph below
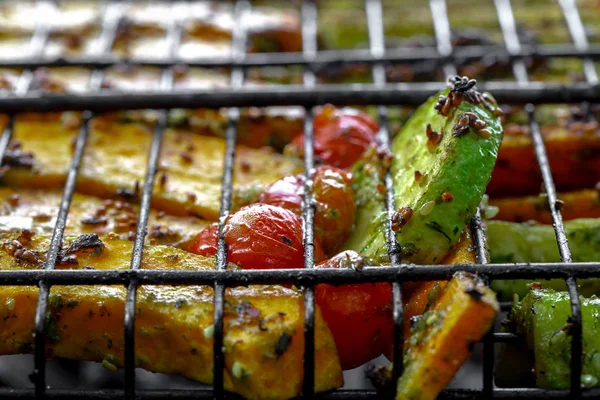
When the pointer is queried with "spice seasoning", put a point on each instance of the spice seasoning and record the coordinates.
(400, 218)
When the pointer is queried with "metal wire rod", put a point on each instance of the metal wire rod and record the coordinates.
(237, 79)
(404, 55)
(507, 23)
(374, 13)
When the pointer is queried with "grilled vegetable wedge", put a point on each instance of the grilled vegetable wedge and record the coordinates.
(442, 337)
(543, 319)
(574, 161)
(263, 341)
(441, 165)
(420, 295)
(579, 204)
(36, 210)
(189, 181)
(512, 242)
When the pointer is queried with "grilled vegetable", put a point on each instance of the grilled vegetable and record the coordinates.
(340, 136)
(441, 166)
(259, 236)
(263, 341)
(580, 204)
(574, 160)
(359, 316)
(36, 210)
(332, 197)
(511, 242)
(543, 319)
(189, 181)
(419, 296)
(442, 337)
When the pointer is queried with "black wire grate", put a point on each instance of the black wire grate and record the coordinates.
(309, 94)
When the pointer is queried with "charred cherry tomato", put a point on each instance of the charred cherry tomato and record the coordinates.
(359, 316)
(259, 236)
(335, 208)
(341, 136)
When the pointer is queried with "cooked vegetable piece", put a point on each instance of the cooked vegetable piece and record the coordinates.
(36, 210)
(263, 343)
(543, 318)
(189, 181)
(341, 136)
(259, 236)
(332, 197)
(440, 168)
(39, 154)
(579, 204)
(441, 338)
(257, 127)
(574, 160)
(419, 296)
(512, 242)
(359, 316)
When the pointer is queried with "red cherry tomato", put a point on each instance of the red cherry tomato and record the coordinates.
(205, 243)
(259, 236)
(359, 316)
(286, 193)
(341, 136)
(335, 208)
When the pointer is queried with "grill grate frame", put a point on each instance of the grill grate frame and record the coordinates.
(309, 94)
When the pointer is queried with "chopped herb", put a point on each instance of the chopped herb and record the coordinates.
(286, 240)
(438, 228)
(51, 328)
(109, 365)
(283, 343)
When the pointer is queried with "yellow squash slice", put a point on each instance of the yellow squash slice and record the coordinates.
(36, 210)
(115, 159)
(263, 340)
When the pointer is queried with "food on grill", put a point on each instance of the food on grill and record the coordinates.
(340, 136)
(259, 236)
(332, 198)
(573, 205)
(543, 318)
(442, 162)
(263, 339)
(36, 210)
(573, 150)
(359, 316)
(441, 338)
(531, 242)
(527, 242)
(189, 178)
(418, 297)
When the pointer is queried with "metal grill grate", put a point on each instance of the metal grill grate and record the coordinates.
(309, 94)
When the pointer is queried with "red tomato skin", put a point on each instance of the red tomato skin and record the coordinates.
(335, 208)
(259, 236)
(341, 136)
(359, 316)
(205, 242)
(285, 193)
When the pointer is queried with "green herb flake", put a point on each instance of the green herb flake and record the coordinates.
(438, 228)
(283, 343)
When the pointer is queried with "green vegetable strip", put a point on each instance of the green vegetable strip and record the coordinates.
(511, 242)
(543, 318)
(440, 179)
